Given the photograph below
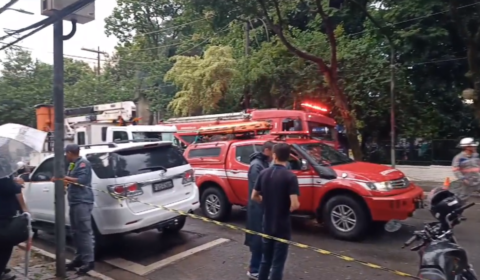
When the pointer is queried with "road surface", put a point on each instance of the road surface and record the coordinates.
(204, 251)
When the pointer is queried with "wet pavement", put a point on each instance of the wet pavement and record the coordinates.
(153, 255)
(40, 268)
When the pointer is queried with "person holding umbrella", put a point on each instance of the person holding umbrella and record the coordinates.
(16, 141)
(11, 203)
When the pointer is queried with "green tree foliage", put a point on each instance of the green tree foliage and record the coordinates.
(193, 57)
(203, 80)
(25, 83)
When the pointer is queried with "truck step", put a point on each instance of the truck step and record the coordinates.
(294, 215)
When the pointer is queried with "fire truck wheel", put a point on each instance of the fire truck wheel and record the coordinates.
(346, 218)
(215, 204)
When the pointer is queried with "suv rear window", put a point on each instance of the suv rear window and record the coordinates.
(137, 161)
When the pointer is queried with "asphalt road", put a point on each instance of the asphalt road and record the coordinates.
(230, 259)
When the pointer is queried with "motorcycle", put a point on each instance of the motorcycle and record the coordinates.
(441, 258)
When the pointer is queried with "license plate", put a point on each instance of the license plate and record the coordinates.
(161, 186)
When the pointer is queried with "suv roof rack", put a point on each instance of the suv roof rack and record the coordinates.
(138, 140)
(110, 145)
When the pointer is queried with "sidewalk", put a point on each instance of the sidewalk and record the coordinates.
(41, 267)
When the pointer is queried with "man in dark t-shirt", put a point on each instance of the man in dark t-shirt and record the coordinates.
(277, 190)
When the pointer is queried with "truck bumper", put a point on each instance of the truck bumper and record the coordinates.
(397, 207)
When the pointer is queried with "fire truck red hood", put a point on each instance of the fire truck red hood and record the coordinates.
(368, 172)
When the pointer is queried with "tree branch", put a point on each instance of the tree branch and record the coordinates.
(377, 24)
(279, 13)
(277, 29)
(477, 36)
(331, 38)
(462, 28)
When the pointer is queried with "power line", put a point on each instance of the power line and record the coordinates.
(416, 18)
(99, 53)
(8, 5)
(46, 22)
(437, 61)
(176, 26)
(176, 44)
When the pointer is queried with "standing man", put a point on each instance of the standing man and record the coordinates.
(80, 200)
(258, 162)
(277, 190)
(466, 167)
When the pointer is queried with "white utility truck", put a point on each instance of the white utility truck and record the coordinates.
(100, 124)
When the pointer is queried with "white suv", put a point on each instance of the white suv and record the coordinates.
(154, 172)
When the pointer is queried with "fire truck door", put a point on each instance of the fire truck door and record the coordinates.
(237, 166)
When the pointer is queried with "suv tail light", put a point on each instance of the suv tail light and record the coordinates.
(188, 177)
(127, 190)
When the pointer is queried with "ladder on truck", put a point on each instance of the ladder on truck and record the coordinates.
(206, 118)
(109, 113)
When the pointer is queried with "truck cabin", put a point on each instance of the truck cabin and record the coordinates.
(316, 125)
(312, 120)
(102, 133)
(239, 131)
(102, 123)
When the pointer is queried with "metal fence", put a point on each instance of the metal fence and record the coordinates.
(432, 152)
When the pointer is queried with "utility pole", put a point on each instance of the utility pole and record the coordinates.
(98, 52)
(58, 148)
(246, 91)
(59, 143)
(392, 105)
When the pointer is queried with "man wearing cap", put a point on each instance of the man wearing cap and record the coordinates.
(466, 167)
(80, 200)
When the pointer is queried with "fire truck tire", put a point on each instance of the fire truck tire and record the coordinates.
(215, 204)
(346, 218)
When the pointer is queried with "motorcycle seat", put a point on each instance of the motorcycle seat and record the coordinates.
(432, 273)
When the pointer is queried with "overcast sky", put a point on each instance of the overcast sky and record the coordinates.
(90, 35)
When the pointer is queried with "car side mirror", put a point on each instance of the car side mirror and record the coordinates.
(41, 177)
(25, 177)
(304, 166)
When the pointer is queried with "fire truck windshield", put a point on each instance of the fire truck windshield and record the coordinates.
(322, 131)
(325, 154)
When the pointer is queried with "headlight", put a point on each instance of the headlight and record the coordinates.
(381, 186)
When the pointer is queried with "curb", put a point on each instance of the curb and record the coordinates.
(50, 256)
(428, 186)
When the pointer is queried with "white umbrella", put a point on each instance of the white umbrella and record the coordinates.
(17, 142)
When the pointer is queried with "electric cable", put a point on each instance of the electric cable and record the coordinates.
(46, 22)
(8, 5)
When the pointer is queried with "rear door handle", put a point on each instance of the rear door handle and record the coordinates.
(235, 171)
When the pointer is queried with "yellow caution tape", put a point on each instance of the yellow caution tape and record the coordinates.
(292, 243)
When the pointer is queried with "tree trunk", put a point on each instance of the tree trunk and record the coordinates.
(348, 119)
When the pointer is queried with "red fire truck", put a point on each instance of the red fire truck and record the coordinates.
(311, 121)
